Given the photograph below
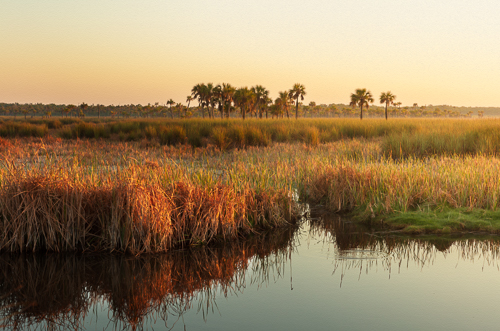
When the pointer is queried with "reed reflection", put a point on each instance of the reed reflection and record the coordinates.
(357, 247)
(59, 291)
(64, 291)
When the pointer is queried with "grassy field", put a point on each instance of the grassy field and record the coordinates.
(400, 138)
(146, 196)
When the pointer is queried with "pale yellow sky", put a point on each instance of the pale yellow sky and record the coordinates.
(125, 51)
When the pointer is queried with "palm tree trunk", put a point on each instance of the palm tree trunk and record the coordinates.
(297, 108)
(386, 111)
(361, 114)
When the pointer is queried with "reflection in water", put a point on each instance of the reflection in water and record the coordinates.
(58, 290)
(362, 248)
(61, 291)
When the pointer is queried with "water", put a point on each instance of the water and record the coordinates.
(323, 275)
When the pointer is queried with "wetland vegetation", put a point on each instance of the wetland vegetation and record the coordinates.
(152, 185)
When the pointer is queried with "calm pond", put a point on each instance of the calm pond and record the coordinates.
(323, 275)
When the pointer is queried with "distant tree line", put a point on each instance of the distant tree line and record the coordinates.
(226, 101)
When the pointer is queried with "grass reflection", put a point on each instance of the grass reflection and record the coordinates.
(63, 291)
(364, 248)
(58, 291)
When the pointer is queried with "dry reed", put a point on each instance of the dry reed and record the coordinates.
(131, 209)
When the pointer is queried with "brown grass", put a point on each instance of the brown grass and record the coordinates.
(132, 209)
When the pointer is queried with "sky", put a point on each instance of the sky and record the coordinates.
(129, 51)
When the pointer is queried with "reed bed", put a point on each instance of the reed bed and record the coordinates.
(387, 187)
(401, 138)
(128, 209)
(136, 197)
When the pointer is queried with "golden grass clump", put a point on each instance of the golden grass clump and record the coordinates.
(131, 209)
(388, 186)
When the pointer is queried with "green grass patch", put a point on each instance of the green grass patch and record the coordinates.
(444, 220)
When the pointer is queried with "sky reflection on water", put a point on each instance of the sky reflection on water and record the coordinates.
(327, 274)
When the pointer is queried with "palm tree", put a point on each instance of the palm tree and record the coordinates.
(197, 93)
(298, 90)
(83, 107)
(171, 103)
(243, 98)
(361, 98)
(188, 100)
(261, 95)
(227, 95)
(208, 94)
(267, 103)
(283, 103)
(218, 99)
(387, 98)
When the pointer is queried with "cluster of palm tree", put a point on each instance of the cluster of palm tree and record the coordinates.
(252, 101)
(363, 98)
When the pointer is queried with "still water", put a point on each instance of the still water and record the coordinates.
(325, 274)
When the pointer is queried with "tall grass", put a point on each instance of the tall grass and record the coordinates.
(377, 188)
(138, 197)
(401, 137)
(128, 209)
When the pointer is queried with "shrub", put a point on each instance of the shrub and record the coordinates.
(255, 137)
(219, 137)
(172, 135)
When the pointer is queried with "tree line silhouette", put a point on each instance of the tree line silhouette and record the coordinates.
(226, 101)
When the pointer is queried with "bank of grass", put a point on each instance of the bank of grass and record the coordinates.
(400, 138)
(444, 220)
(59, 200)
(447, 194)
(129, 211)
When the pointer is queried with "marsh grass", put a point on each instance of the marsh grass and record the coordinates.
(89, 194)
(374, 190)
(402, 138)
(130, 208)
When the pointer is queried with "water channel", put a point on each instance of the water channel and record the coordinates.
(325, 274)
